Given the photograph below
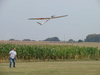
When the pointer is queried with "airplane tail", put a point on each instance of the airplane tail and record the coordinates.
(42, 22)
(39, 23)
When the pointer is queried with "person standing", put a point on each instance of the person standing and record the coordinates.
(12, 57)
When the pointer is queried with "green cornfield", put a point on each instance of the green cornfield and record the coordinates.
(49, 52)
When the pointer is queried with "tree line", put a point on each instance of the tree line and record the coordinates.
(89, 38)
(48, 39)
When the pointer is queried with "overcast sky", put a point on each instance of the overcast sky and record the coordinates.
(83, 19)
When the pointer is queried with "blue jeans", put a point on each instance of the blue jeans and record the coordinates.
(14, 62)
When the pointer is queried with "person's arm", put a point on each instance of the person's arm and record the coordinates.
(9, 54)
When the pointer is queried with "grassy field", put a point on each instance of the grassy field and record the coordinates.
(86, 44)
(52, 68)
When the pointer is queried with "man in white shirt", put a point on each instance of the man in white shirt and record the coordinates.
(12, 57)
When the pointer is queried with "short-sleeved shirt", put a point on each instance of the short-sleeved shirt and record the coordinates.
(12, 54)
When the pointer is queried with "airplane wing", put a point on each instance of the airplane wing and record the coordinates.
(47, 18)
(38, 18)
(59, 16)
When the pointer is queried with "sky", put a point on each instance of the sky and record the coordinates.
(83, 19)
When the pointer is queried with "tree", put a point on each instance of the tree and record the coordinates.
(80, 40)
(11, 39)
(26, 40)
(52, 39)
(93, 38)
(71, 40)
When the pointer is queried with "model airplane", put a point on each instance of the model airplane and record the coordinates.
(47, 19)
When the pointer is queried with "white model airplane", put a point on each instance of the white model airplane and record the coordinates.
(47, 19)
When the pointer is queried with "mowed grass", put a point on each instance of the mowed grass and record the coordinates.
(52, 68)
